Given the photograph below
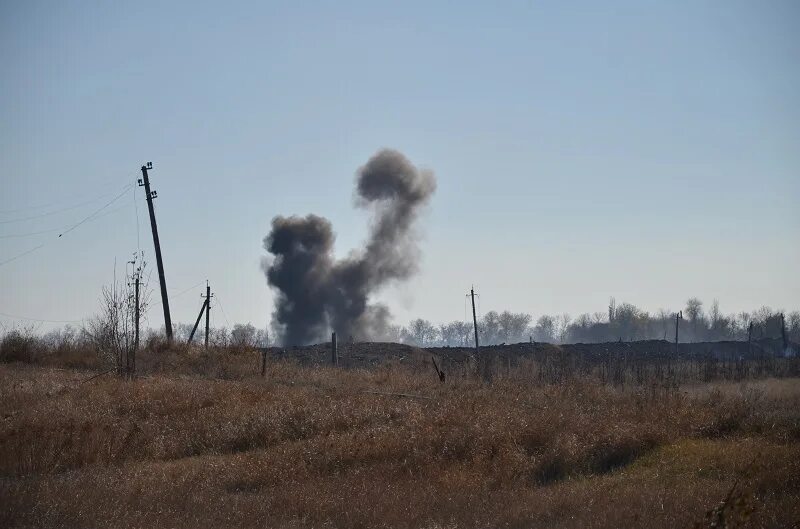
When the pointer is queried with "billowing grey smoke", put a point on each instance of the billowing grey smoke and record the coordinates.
(315, 292)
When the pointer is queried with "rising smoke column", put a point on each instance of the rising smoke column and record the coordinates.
(316, 293)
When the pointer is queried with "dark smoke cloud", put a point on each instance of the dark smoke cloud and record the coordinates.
(315, 292)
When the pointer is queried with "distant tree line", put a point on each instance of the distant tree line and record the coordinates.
(240, 335)
(622, 321)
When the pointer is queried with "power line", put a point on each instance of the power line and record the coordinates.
(136, 210)
(83, 200)
(29, 234)
(182, 292)
(125, 190)
(61, 210)
(38, 319)
(23, 254)
(90, 217)
(34, 233)
(216, 295)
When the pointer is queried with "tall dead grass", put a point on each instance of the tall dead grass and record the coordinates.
(323, 447)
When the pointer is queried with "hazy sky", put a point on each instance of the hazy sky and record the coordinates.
(644, 150)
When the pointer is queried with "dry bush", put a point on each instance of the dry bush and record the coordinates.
(67, 350)
(21, 346)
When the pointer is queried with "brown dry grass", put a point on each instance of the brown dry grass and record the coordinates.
(310, 447)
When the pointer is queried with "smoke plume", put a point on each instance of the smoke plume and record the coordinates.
(317, 293)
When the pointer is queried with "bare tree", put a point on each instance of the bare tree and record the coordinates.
(449, 333)
(694, 312)
(545, 329)
(113, 330)
(793, 325)
(512, 326)
(489, 328)
(243, 335)
(563, 327)
(422, 332)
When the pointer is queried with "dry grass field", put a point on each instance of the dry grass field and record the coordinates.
(200, 440)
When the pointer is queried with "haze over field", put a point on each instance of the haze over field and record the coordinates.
(420, 265)
(581, 152)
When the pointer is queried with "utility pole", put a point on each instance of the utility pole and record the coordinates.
(132, 362)
(205, 308)
(209, 295)
(678, 317)
(196, 322)
(130, 352)
(474, 318)
(150, 195)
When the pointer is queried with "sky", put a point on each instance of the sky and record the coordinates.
(648, 151)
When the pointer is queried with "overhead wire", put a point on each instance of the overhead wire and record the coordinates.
(37, 319)
(216, 295)
(29, 234)
(136, 210)
(82, 200)
(60, 210)
(93, 216)
(23, 254)
(51, 230)
(182, 292)
(86, 219)
(125, 190)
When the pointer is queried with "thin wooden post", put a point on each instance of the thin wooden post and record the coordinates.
(132, 357)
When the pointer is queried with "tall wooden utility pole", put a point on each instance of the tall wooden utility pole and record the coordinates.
(678, 317)
(209, 295)
(474, 318)
(150, 195)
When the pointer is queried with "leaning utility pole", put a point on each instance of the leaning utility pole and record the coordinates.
(197, 322)
(150, 195)
(209, 295)
(474, 318)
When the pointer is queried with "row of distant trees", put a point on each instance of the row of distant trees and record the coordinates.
(240, 335)
(622, 321)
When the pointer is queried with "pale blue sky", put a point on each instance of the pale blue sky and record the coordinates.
(644, 150)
